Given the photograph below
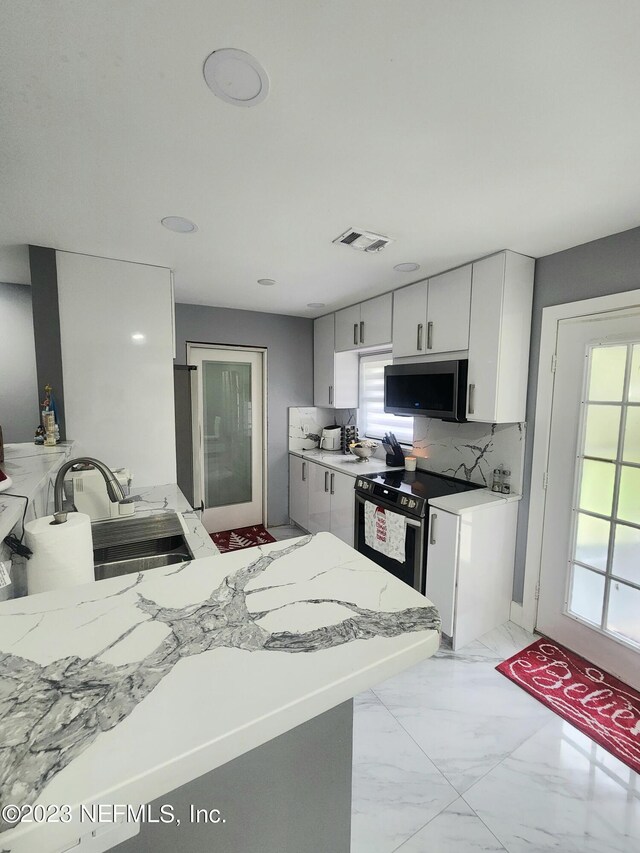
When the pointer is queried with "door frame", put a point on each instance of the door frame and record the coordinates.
(265, 397)
(526, 614)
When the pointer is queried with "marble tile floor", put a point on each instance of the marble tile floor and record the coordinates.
(451, 757)
(285, 531)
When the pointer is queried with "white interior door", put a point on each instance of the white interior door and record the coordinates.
(231, 446)
(590, 569)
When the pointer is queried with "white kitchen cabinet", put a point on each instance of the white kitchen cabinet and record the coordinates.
(409, 319)
(341, 487)
(348, 328)
(335, 375)
(299, 491)
(448, 311)
(431, 317)
(375, 320)
(442, 563)
(501, 298)
(364, 325)
(321, 499)
(470, 562)
(116, 337)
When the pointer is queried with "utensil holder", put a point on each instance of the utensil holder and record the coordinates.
(395, 459)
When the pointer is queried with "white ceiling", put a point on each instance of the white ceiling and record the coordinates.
(456, 127)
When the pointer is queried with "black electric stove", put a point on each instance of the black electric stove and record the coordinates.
(410, 491)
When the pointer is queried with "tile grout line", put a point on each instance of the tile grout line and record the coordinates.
(445, 777)
(446, 806)
(489, 830)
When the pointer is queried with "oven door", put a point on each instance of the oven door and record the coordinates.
(412, 570)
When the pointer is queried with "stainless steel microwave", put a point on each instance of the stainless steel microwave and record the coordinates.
(435, 389)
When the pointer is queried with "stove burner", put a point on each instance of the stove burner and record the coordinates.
(410, 491)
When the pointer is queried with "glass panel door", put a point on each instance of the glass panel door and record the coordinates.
(589, 588)
(227, 432)
(231, 435)
(604, 576)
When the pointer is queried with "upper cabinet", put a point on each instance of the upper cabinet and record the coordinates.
(482, 308)
(501, 300)
(335, 375)
(364, 325)
(432, 316)
(348, 328)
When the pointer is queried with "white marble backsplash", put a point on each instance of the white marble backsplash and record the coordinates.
(470, 451)
(305, 420)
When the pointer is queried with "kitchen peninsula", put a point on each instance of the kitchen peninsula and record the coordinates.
(124, 691)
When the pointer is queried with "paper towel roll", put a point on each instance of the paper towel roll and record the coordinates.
(62, 553)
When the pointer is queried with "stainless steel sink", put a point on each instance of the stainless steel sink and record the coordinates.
(125, 546)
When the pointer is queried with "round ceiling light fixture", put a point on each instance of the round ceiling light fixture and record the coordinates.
(266, 282)
(407, 267)
(316, 304)
(236, 77)
(179, 224)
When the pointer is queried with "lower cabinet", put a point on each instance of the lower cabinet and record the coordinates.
(342, 506)
(320, 499)
(470, 562)
(299, 491)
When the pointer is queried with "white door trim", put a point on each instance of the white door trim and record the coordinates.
(265, 398)
(525, 614)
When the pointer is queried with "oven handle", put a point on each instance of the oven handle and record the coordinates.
(410, 521)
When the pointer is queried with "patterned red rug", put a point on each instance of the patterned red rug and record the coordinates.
(241, 537)
(603, 708)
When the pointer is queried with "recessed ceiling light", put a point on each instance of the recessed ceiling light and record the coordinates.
(179, 224)
(266, 282)
(236, 77)
(407, 267)
(138, 337)
(316, 304)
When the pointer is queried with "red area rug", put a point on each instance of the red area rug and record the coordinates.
(603, 708)
(241, 537)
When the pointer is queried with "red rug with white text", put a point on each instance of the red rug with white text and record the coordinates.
(603, 708)
(241, 537)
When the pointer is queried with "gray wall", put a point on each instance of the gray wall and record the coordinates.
(19, 409)
(289, 343)
(609, 265)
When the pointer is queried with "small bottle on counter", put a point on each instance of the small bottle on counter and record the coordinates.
(496, 485)
(506, 481)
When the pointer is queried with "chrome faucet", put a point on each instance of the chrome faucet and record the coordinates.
(114, 489)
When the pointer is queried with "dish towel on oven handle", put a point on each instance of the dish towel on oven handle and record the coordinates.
(385, 531)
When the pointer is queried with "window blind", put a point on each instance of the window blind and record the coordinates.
(373, 420)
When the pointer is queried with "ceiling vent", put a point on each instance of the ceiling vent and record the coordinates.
(363, 241)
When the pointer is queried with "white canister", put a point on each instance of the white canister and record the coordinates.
(62, 553)
(410, 463)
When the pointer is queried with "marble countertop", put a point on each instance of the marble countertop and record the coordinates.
(477, 499)
(121, 691)
(30, 466)
(347, 463)
(457, 504)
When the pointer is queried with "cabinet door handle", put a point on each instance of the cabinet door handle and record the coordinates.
(361, 331)
(355, 334)
(326, 481)
(429, 335)
(332, 483)
(419, 340)
(472, 399)
(432, 537)
(331, 395)
(304, 471)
